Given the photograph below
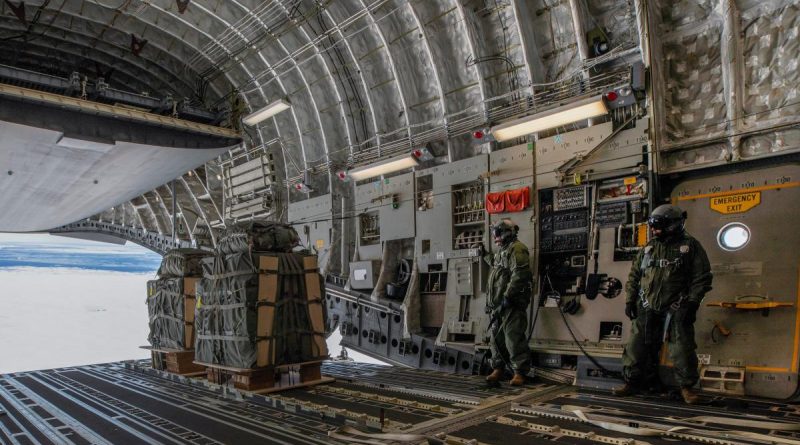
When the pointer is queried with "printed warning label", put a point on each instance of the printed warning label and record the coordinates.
(738, 203)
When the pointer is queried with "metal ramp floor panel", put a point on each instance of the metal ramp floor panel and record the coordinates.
(129, 402)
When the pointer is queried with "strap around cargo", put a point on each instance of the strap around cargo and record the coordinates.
(222, 337)
(225, 306)
(222, 276)
(166, 317)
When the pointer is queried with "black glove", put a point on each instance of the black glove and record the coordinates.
(505, 304)
(688, 311)
(631, 310)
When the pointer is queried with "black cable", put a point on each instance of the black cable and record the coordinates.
(610, 373)
(614, 374)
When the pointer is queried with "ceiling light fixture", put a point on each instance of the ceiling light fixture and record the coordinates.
(557, 117)
(384, 166)
(267, 112)
(85, 143)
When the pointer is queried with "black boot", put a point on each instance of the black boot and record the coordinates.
(689, 396)
(495, 376)
(625, 390)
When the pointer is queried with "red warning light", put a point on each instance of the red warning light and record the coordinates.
(612, 96)
(477, 134)
(342, 175)
(298, 186)
(417, 153)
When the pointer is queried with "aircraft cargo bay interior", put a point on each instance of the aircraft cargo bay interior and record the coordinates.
(400, 221)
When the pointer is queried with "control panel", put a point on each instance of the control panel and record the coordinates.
(570, 198)
(563, 239)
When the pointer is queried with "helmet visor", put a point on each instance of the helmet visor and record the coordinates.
(658, 222)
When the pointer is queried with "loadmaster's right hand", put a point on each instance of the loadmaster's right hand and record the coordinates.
(630, 309)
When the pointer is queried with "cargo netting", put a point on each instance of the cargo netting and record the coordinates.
(258, 237)
(228, 304)
(165, 307)
(166, 299)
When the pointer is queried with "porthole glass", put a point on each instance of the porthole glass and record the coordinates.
(733, 236)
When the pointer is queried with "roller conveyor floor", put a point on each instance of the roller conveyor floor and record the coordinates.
(130, 403)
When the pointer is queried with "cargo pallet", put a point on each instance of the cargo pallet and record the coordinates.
(268, 379)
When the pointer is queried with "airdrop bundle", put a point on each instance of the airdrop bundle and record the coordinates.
(258, 317)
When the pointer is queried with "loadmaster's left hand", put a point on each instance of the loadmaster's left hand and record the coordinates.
(689, 309)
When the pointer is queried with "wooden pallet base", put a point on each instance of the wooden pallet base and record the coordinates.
(176, 361)
(182, 363)
(267, 379)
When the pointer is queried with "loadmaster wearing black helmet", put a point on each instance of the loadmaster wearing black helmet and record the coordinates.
(669, 278)
(508, 296)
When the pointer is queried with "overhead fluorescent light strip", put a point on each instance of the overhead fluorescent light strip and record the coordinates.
(267, 112)
(383, 167)
(557, 117)
(83, 144)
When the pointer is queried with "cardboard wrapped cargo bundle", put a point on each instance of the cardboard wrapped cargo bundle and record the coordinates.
(257, 313)
(171, 307)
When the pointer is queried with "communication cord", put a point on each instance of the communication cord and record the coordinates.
(610, 373)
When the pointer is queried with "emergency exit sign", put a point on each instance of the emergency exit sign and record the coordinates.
(738, 203)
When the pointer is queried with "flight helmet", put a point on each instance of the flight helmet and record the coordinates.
(504, 231)
(667, 218)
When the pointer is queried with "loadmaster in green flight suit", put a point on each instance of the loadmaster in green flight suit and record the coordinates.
(667, 282)
(508, 296)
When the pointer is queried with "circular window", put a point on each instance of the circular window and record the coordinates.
(733, 236)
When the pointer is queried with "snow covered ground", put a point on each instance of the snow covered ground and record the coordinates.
(61, 317)
(75, 315)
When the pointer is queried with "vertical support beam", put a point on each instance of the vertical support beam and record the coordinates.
(174, 213)
(576, 7)
(657, 87)
(344, 241)
(200, 210)
(732, 65)
(158, 223)
(530, 50)
(382, 37)
(427, 47)
(643, 30)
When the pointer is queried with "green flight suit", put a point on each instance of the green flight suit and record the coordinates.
(662, 274)
(510, 279)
